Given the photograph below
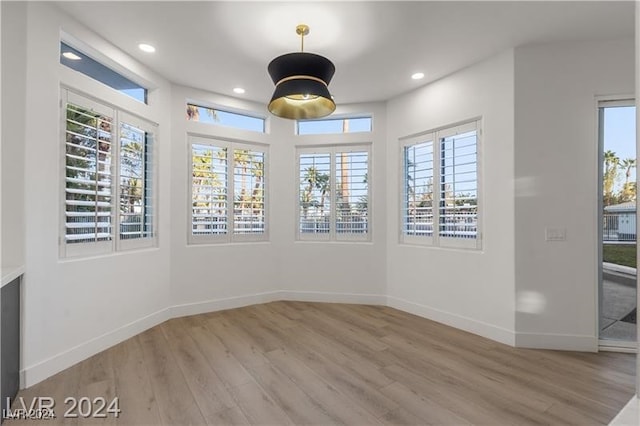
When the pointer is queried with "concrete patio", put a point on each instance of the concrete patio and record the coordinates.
(618, 303)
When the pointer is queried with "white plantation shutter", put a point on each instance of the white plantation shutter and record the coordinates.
(249, 192)
(88, 175)
(333, 193)
(228, 190)
(441, 187)
(108, 169)
(418, 197)
(458, 208)
(209, 179)
(314, 188)
(352, 194)
(136, 177)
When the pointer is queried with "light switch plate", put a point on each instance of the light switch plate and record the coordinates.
(555, 234)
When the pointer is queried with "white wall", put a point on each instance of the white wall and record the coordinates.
(472, 290)
(13, 132)
(74, 308)
(356, 271)
(205, 277)
(556, 160)
(214, 276)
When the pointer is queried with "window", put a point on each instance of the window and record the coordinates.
(84, 64)
(109, 174)
(225, 118)
(440, 187)
(228, 186)
(334, 125)
(333, 193)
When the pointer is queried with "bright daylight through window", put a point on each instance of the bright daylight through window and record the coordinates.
(440, 186)
(334, 125)
(108, 162)
(225, 118)
(88, 66)
(228, 191)
(333, 193)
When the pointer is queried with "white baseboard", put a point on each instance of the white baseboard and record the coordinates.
(318, 296)
(629, 415)
(222, 304)
(36, 373)
(471, 325)
(561, 342)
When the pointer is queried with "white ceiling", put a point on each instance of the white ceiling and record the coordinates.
(375, 46)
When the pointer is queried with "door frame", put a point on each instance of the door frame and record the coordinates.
(602, 102)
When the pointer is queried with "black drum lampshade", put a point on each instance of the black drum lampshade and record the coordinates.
(302, 84)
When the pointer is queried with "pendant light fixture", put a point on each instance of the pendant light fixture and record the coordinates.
(302, 81)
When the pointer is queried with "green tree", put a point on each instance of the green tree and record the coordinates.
(610, 175)
(315, 181)
(87, 170)
(204, 178)
(628, 192)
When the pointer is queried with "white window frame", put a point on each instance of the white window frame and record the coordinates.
(228, 110)
(332, 235)
(436, 137)
(229, 236)
(335, 118)
(115, 244)
(150, 129)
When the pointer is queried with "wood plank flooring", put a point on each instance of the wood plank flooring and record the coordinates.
(294, 363)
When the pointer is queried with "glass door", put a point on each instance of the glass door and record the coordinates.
(617, 210)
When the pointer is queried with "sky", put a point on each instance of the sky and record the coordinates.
(620, 135)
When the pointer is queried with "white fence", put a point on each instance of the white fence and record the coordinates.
(619, 227)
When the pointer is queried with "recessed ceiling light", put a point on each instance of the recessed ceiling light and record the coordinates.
(71, 55)
(238, 90)
(146, 48)
(417, 76)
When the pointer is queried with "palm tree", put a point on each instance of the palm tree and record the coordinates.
(311, 175)
(611, 164)
(322, 184)
(628, 189)
(315, 181)
(628, 164)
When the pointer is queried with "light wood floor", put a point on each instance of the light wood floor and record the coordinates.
(298, 363)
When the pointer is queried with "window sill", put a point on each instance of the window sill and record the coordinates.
(126, 252)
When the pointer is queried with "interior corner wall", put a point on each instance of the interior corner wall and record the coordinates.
(468, 289)
(556, 168)
(74, 308)
(206, 277)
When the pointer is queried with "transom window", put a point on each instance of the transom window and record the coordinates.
(108, 184)
(333, 193)
(334, 125)
(225, 118)
(77, 60)
(440, 187)
(228, 191)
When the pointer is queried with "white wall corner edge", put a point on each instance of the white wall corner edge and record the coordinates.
(490, 331)
(40, 371)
